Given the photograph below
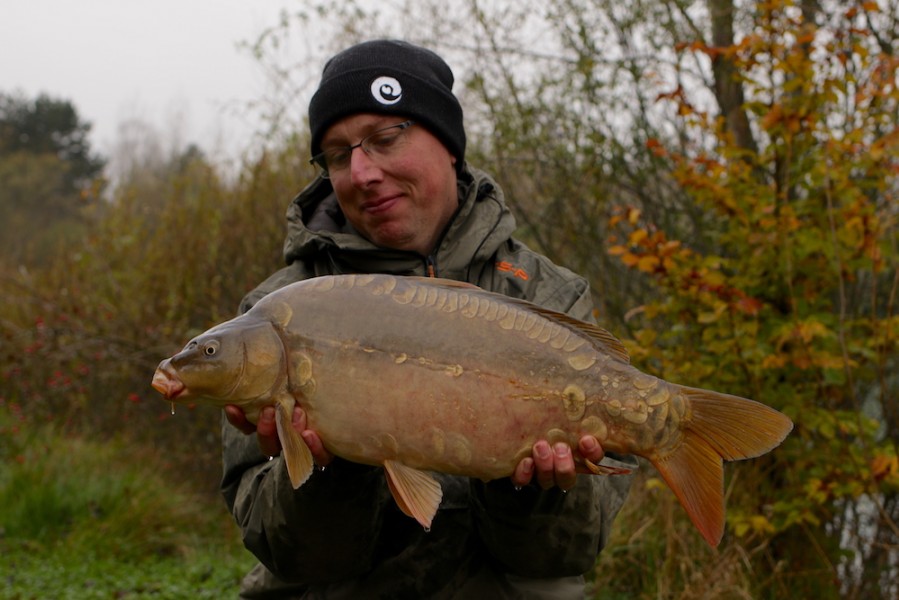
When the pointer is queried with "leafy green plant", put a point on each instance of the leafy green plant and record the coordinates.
(794, 302)
(98, 518)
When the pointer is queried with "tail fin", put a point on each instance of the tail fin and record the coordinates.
(717, 427)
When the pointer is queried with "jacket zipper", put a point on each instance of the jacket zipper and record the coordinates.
(431, 266)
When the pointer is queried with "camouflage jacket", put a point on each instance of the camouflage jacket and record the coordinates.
(341, 535)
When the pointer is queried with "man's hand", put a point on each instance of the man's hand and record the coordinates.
(554, 465)
(267, 432)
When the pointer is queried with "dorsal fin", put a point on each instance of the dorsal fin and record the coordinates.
(449, 283)
(600, 337)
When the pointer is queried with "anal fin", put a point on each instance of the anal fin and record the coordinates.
(416, 492)
(608, 466)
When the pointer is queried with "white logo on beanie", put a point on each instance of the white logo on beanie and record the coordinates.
(386, 90)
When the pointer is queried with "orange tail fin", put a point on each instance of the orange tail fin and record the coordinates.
(718, 427)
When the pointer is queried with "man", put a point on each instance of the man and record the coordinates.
(395, 196)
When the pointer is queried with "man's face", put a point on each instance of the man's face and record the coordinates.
(403, 200)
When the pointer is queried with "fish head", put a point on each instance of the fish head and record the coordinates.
(238, 362)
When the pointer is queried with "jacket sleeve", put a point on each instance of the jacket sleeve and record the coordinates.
(325, 530)
(537, 533)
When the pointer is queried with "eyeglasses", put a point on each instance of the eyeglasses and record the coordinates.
(382, 143)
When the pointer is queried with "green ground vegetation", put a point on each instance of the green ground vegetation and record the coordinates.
(88, 518)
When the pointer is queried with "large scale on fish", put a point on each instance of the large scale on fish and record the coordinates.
(419, 375)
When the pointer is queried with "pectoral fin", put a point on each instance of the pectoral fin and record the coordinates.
(296, 452)
(416, 492)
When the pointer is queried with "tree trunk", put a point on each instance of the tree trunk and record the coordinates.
(728, 89)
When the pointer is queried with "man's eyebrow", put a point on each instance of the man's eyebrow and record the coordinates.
(364, 131)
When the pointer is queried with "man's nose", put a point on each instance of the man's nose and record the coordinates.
(363, 170)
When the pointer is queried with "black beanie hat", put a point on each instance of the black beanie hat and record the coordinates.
(389, 77)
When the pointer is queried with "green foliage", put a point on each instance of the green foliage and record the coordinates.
(91, 448)
(89, 497)
(170, 255)
(794, 305)
(209, 572)
(48, 177)
(48, 126)
(94, 519)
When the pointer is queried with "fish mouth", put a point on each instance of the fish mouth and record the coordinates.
(167, 384)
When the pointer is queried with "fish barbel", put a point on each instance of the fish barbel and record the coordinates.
(420, 375)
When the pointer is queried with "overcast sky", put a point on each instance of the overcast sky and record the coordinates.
(120, 59)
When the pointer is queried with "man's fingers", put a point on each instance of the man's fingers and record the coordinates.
(524, 472)
(238, 419)
(554, 465)
(320, 455)
(590, 449)
(563, 466)
(266, 429)
(544, 464)
(267, 432)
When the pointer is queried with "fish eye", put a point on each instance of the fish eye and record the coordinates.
(211, 348)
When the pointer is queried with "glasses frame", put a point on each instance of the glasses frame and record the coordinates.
(320, 160)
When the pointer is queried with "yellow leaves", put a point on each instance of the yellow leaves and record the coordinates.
(774, 361)
(648, 263)
(817, 491)
(645, 263)
(869, 6)
(629, 214)
(807, 344)
(649, 250)
(885, 469)
(630, 260)
(709, 317)
(773, 116)
(810, 329)
(752, 524)
(646, 250)
(637, 237)
(804, 331)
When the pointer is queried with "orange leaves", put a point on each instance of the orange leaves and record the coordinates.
(780, 117)
(649, 251)
(805, 344)
(885, 469)
(655, 146)
(629, 214)
(869, 6)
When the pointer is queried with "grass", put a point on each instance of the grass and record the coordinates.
(58, 573)
(89, 519)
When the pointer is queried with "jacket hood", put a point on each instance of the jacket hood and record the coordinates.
(317, 230)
